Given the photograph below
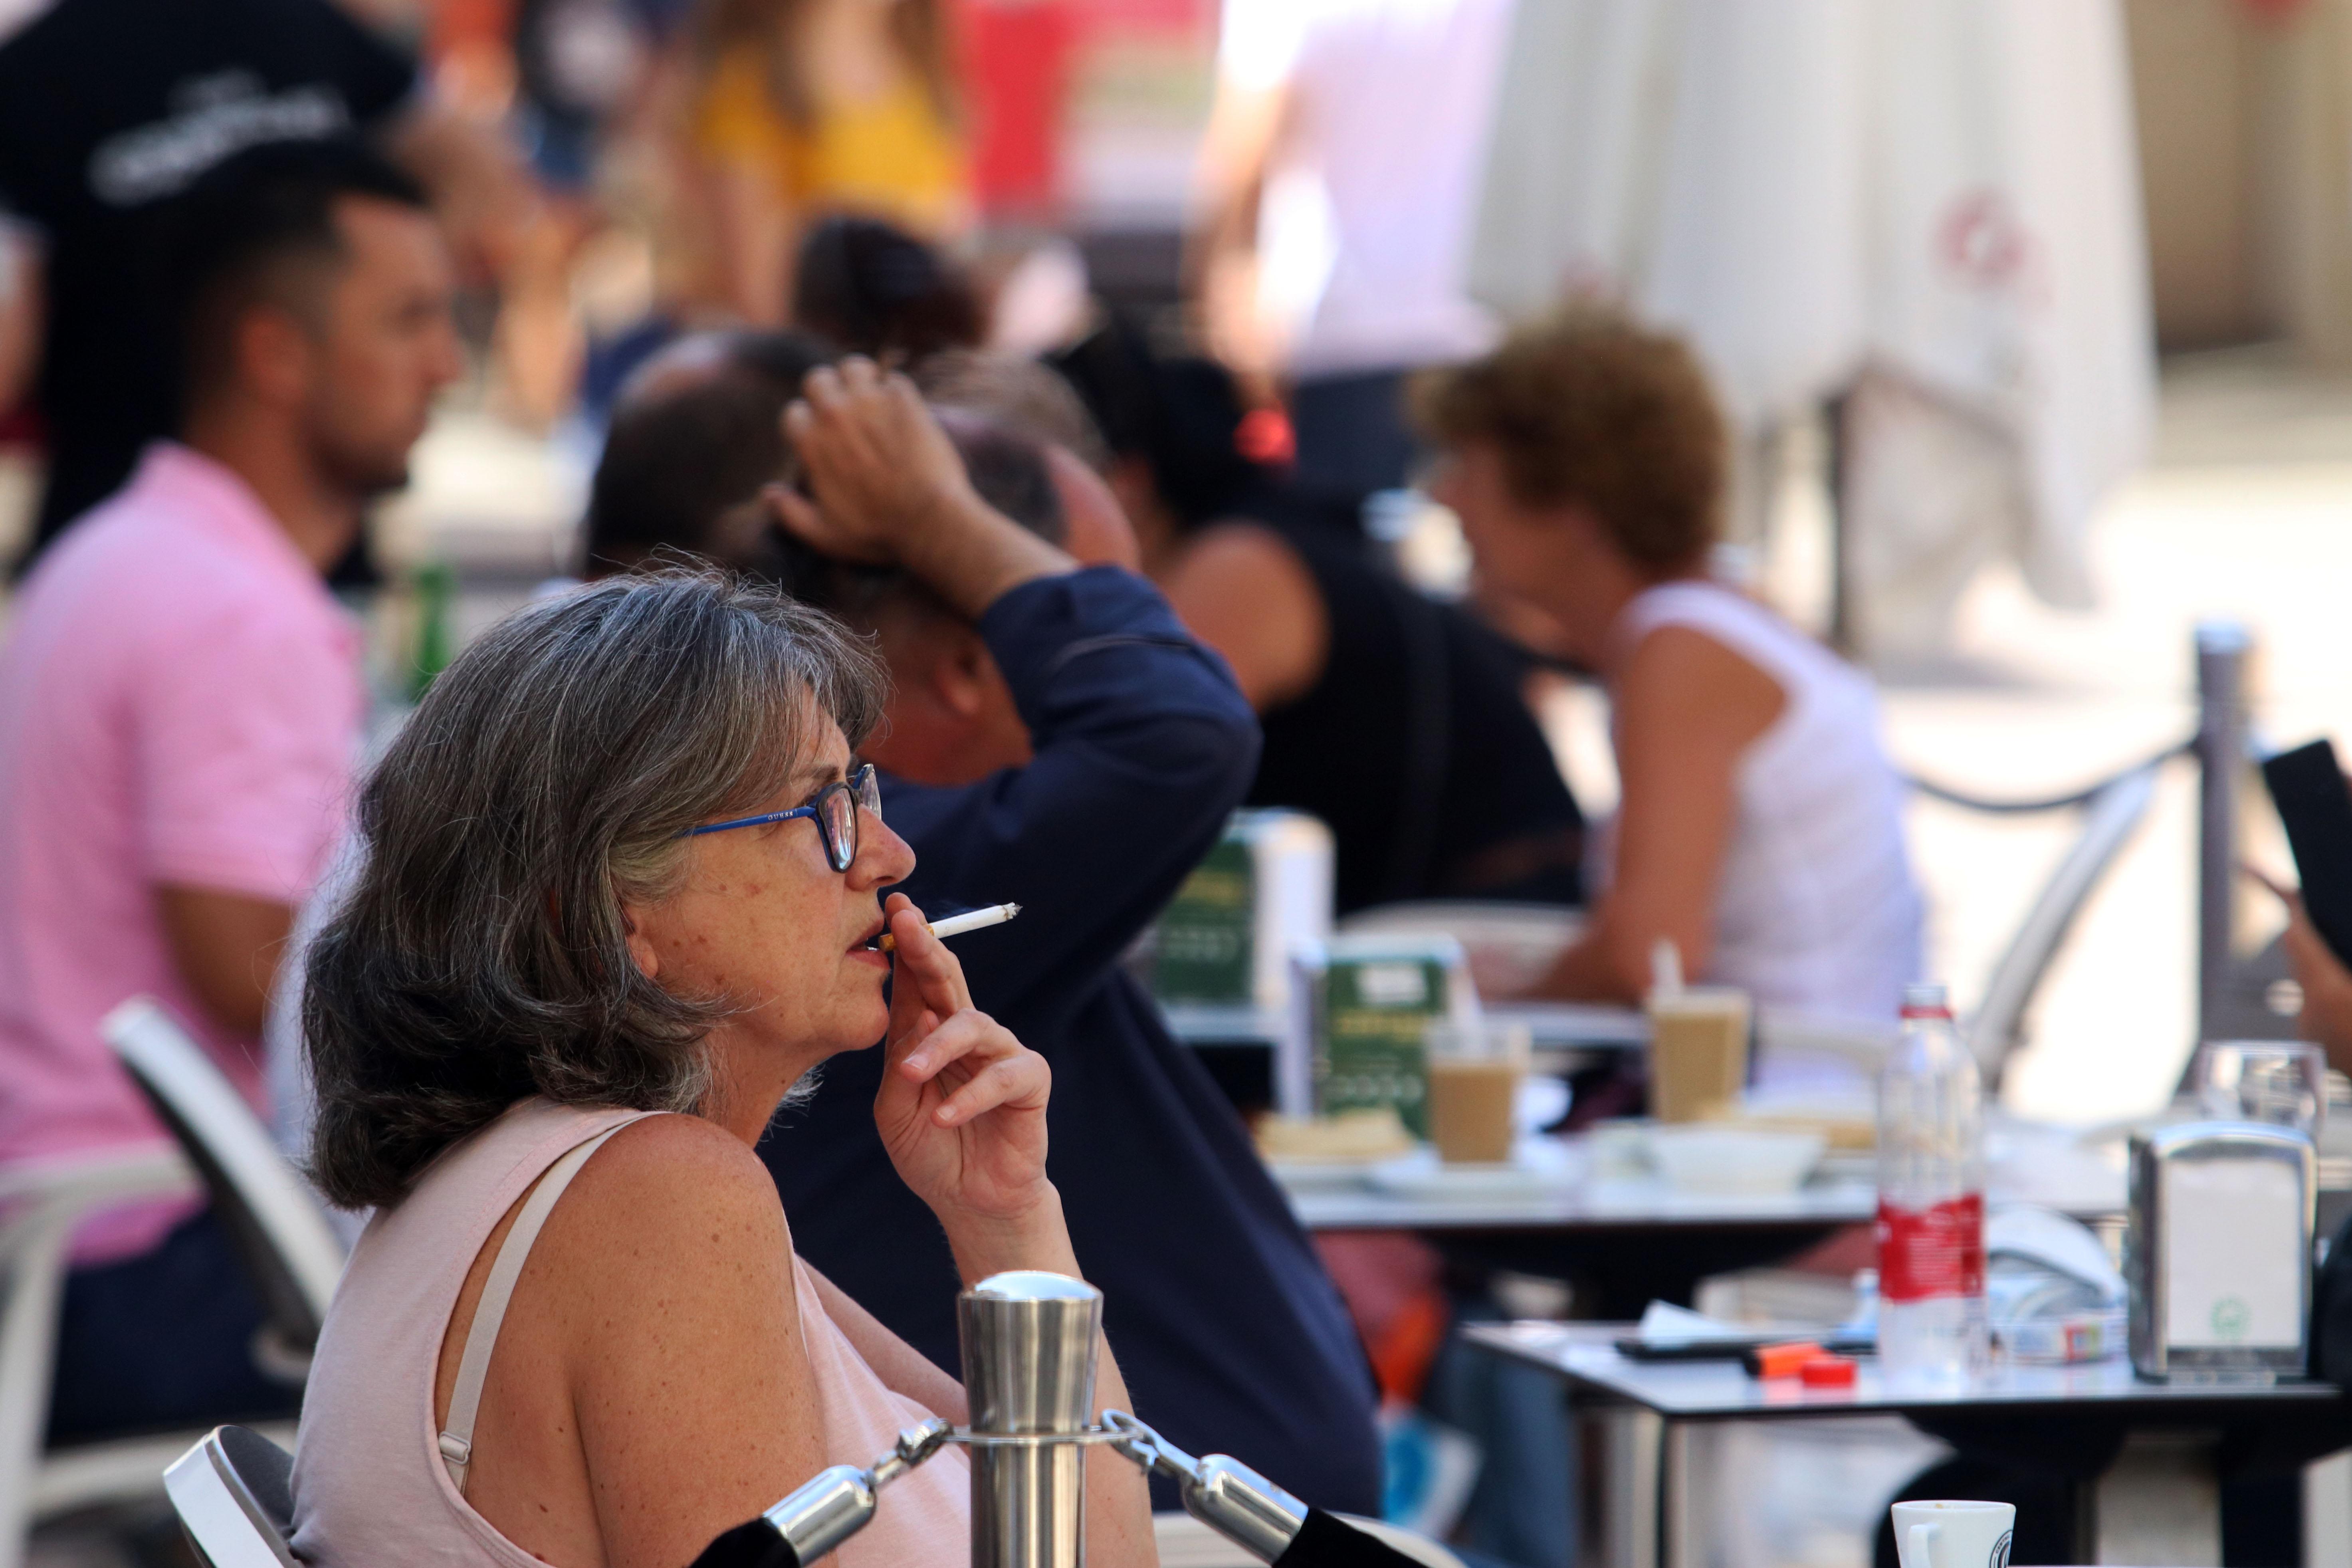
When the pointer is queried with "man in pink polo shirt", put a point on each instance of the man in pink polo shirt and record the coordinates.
(180, 709)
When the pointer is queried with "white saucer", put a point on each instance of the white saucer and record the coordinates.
(1538, 1166)
(1325, 1175)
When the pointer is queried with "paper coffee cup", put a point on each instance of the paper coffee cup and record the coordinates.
(1698, 1051)
(1475, 1070)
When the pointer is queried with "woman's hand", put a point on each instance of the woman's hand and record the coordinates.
(962, 1112)
(962, 1104)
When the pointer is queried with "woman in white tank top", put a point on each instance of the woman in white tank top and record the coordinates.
(621, 890)
(1760, 827)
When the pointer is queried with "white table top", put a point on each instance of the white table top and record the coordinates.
(1195, 1022)
(2025, 1163)
(1551, 1026)
(1597, 1206)
(1584, 1354)
(1579, 1025)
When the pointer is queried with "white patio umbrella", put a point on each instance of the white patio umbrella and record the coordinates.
(1932, 204)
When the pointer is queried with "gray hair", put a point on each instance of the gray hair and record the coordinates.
(1017, 394)
(481, 955)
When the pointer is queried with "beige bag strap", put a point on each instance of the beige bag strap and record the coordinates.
(482, 1335)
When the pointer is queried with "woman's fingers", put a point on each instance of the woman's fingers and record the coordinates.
(1023, 1081)
(908, 1005)
(903, 1041)
(924, 959)
(965, 1035)
(997, 1069)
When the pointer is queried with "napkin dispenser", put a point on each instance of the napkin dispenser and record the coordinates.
(1221, 952)
(2218, 1253)
(1373, 997)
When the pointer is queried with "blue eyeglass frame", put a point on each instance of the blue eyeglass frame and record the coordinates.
(860, 787)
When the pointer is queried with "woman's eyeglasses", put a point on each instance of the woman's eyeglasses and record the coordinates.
(835, 807)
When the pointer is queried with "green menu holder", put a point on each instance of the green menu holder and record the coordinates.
(1208, 931)
(1375, 1000)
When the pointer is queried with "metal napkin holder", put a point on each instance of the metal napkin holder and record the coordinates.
(1029, 1341)
(2217, 1254)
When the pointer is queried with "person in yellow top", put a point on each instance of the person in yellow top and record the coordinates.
(807, 108)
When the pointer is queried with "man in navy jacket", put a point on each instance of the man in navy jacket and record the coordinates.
(1057, 740)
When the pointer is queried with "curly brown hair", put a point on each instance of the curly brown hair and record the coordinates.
(1588, 409)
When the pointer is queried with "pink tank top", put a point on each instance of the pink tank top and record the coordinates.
(370, 1483)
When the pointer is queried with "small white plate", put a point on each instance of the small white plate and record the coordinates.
(1536, 1166)
(1324, 1175)
(1717, 1158)
(1847, 1165)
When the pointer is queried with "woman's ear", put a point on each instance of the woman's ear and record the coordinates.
(633, 929)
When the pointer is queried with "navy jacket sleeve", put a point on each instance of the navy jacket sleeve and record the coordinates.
(1142, 744)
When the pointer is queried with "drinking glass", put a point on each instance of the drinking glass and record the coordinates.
(2282, 1082)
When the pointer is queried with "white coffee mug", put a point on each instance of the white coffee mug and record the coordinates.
(1954, 1534)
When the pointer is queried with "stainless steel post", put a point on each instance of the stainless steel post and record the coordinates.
(1633, 1480)
(2221, 733)
(1029, 1341)
(839, 1503)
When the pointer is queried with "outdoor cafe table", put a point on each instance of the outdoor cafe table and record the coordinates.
(2158, 1501)
(1629, 1241)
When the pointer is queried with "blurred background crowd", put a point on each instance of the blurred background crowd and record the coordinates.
(1928, 255)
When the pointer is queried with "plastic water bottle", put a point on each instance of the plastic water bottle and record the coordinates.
(1861, 1323)
(1931, 1255)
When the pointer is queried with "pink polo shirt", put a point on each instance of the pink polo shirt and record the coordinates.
(180, 703)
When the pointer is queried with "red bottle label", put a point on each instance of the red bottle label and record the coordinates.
(1930, 1252)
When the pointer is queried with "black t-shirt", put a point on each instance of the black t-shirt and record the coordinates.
(1416, 748)
(108, 108)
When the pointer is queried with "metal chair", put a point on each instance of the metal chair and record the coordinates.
(234, 1494)
(2111, 814)
(273, 1220)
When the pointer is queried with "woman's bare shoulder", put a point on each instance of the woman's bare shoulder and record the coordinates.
(674, 1191)
(667, 1336)
(1677, 666)
(1245, 591)
(1236, 556)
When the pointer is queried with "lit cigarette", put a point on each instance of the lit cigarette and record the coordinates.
(956, 925)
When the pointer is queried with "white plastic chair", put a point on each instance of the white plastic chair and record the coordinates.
(280, 1232)
(274, 1220)
(234, 1493)
(42, 1203)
